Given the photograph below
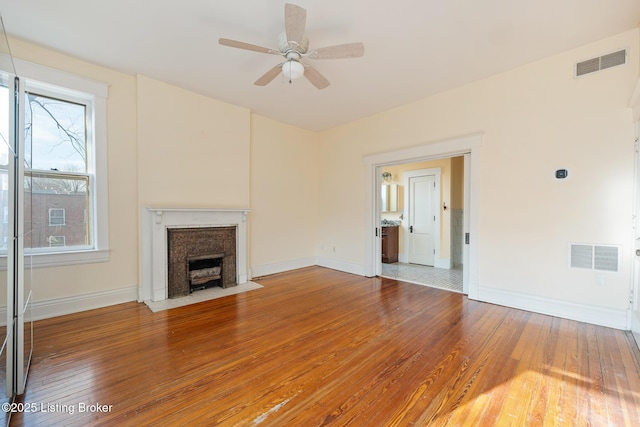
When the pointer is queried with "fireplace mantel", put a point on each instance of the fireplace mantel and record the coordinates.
(156, 221)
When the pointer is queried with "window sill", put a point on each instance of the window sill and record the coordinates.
(43, 260)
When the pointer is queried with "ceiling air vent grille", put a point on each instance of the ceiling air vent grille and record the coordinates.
(601, 62)
(595, 257)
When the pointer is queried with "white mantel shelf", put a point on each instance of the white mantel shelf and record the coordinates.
(159, 212)
(156, 221)
(178, 209)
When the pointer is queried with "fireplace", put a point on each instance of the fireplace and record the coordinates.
(200, 257)
(227, 226)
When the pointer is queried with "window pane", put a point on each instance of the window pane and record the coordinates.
(58, 211)
(4, 211)
(4, 164)
(4, 127)
(55, 134)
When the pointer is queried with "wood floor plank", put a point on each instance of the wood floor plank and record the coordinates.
(320, 347)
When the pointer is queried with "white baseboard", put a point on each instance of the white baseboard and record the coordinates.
(442, 263)
(635, 326)
(61, 306)
(584, 313)
(636, 335)
(265, 270)
(279, 267)
(437, 262)
(617, 319)
(341, 266)
(77, 303)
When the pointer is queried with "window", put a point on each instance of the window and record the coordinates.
(56, 217)
(64, 166)
(56, 168)
(56, 241)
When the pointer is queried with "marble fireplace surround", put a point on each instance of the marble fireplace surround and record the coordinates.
(156, 221)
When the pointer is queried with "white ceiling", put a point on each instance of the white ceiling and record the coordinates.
(413, 48)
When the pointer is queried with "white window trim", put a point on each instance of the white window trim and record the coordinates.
(74, 85)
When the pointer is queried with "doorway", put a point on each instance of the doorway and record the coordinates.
(469, 148)
(423, 223)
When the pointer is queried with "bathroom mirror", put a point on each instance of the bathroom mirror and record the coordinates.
(389, 198)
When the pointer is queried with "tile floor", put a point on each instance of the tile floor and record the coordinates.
(441, 278)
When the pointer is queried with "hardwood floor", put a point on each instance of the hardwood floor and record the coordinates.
(320, 347)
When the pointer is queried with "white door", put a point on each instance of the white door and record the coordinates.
(422, 219)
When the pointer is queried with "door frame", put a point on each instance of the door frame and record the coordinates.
(633, 317)
(458, 146)
(633, 313)
(437, 172)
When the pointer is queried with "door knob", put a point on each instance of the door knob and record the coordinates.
(638, 252)
(411, 231)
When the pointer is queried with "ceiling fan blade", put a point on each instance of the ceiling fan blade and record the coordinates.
(349, 50)
(295, 19)
(246, 46)
(316, 79)
(269, 76)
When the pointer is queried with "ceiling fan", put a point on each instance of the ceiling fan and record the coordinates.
(293, 45)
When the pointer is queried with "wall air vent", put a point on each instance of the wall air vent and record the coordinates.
(601, 62)
(595, 257)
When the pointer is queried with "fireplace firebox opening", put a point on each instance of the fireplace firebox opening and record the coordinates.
(200, 257)
(204, 271)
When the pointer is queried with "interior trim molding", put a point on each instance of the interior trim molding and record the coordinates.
(467, 145)
(635, 326)
(600, 316)
(279, 267)
(444, 263)
(75, 304)
(583, 313)
(345, 267)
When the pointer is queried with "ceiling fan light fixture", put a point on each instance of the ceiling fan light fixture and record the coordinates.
(292, 70)
(293, 45)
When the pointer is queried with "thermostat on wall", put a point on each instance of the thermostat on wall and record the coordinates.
(562, 173)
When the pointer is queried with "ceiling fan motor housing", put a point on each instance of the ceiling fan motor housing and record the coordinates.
(285, 46)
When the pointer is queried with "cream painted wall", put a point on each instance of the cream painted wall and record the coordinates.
(122, 269)
(284, 180)
(535, 119)
(172, 147)
(193, 151)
